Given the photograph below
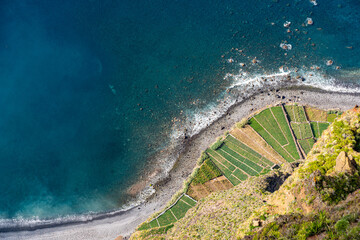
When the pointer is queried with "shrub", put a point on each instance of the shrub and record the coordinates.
(217, 144)
(242, 123)
(354, 233)
(342, 225)
(311, 228)
(202, 158)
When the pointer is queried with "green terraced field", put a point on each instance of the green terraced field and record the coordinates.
(296, 113)
(240, 175)
(188, 200)
(237, 163)
(323, 127)
(267, 126)
(227, 172)
(331, 117)
(207, 171)
(307, 144)
(220, 159)
(242, 159)
(302, 130)
(234, 166)
(166, 218)
(268, 122)
(178, 210)
(247, 152)
(234, 180)
(318, 128)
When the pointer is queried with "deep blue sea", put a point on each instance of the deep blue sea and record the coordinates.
(89, 89)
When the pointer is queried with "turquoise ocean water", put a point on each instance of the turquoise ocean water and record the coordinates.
(89, 89)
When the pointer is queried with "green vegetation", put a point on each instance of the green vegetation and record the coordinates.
(202, 158)
(296, 113)
(240, 175)
(247, 152)
(233, 179)
(344, 136)
(166, 218)
(318, 128)
(331, 117)
(217, 144)
(301, 227)
(175, 212)
(207, 171)
(171, 215)
(302, 130)
(242, 159)
(180, 208)
(267, 120)
(307, 144)
(322, 127)
(189, 201)
(276, 132)
(238, 162)
(224, 162)
(242, 123)
(154, 232)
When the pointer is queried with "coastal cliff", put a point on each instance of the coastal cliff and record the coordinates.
(315, 198)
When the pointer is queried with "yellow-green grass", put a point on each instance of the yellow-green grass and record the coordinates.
(166, 218)
(176, 212)
(171, 215)
(207, 171)
(180, 208)
(242, 158)
(220, 160)
(276, 132)
(234, 175)
(307, 144)
(331, 117)
(188, 200)
(247, 152)
(296, 113)
(237, 162)
(302, 130)
(318, 128)
(315, 115)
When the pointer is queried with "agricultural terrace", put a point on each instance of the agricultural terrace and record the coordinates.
(238, 161)
(272, 125)
(308, 124)
(301, 127)
(172, 214)
(208, 179)
(266, 141)
(318, 128)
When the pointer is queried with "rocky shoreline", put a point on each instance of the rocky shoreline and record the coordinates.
(125, 223)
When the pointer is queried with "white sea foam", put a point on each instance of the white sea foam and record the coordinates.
(246, 84)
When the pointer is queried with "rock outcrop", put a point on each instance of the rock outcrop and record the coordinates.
(345, 164)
